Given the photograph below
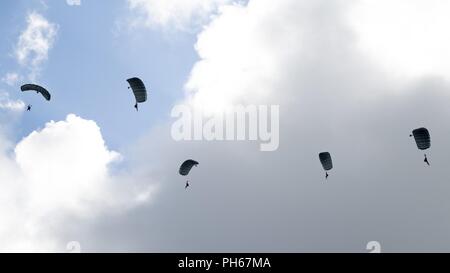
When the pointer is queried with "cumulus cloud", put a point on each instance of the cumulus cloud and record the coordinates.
(179, 14)
(73, 2)
(239, 58)
(412, 38)
(77, 145)
(306, 57)
(9, 104)
(35, 42)
(56, 176)
(11, 78)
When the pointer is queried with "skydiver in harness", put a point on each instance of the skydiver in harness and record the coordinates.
(326, 175)
(187, 184)
(426, 160)
(29, 107)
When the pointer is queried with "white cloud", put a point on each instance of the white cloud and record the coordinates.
(35, 42)
(11, 78)
(57, 175)
(11, 105)
(243, 53)
(73, 2)
(179, 14)
(408, 38)
(65, 164)
(304, 55)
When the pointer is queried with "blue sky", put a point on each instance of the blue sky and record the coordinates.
(92, 56)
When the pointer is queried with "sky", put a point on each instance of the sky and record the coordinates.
(353, 78)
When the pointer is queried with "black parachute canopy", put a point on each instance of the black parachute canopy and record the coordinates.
(325, 159)
(187, 165)
(37, 88)
(139, 90)
(422, 138)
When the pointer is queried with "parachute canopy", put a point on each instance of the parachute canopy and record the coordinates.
(37, 88)
(187, 165)
(325, 159)
(422, 138)
(138, 87)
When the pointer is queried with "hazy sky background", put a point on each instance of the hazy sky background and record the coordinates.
(351, 77)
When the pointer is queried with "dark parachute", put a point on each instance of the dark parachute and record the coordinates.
(139, 90)
(422, 138)
(37, 88)
(325, 159)
(327, 163)
(186, 167)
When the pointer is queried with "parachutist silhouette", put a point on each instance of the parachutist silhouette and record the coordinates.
(139, 90)
(185, 168)
(29, 107)
(327, 162)
(426, 160)
(423, 140)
